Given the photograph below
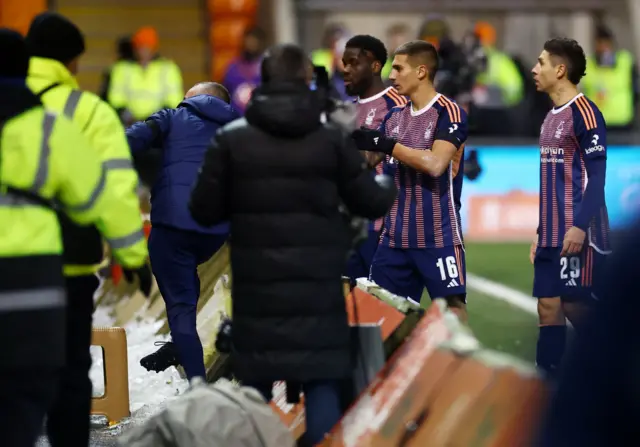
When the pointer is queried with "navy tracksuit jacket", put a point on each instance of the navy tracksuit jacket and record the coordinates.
(177, 244)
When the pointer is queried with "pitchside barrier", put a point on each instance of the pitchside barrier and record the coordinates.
(439, 386)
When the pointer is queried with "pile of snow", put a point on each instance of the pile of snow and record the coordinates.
(149, 391)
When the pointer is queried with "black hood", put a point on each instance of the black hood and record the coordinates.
(16, 98)
(284, 110)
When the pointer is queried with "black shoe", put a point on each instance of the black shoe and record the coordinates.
(162, 359)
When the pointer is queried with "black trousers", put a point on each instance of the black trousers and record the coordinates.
(25, 395)
(68, 418)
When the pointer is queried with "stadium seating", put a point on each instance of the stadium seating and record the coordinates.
(228, 21)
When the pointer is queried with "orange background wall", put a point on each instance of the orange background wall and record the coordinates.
(229, 20)
(17, 14)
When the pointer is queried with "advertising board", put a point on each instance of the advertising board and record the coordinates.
(502, 203)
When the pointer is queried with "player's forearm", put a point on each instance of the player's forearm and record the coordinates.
(420, 160)
(593, 198)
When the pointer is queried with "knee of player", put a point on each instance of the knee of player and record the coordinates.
(550, 310)
(456, 301)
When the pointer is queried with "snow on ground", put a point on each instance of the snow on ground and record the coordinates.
(149, 391)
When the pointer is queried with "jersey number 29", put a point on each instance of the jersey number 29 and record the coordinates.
(448, 266)
(573, 264)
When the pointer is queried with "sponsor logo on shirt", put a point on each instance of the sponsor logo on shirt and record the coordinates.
(595, 147)
(592, 149)
(551, 154)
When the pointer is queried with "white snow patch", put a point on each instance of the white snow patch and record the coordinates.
(149, 391)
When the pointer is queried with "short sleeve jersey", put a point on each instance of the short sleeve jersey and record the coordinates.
(426, 213)
(370, 113)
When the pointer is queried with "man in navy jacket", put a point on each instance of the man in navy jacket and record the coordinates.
(177, 244)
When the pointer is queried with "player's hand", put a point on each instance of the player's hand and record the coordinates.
(573, 241)
(373, 141)
(532, 250)
(144, 276)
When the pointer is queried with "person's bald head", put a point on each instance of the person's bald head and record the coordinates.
(210, 88)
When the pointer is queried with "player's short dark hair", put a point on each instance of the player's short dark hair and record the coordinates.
(572, 55)
(423, 53)
(285, 63)
(364, 42)
(217, 90)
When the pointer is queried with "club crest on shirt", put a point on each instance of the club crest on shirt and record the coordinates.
(395, 131)
(427, 133)
(559, 130)
(371, 115)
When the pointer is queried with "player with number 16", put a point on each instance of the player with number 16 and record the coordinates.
(421, 243)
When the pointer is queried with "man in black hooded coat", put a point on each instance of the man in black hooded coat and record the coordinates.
(280, 177)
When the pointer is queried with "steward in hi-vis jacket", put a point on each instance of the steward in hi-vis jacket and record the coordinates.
(47, 169)
(55, 45)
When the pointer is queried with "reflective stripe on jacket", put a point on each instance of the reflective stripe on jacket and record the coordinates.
(46, 166)
(121, 224)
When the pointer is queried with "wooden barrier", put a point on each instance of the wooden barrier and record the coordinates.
(442, 389)
(114, 403)
(438, 388)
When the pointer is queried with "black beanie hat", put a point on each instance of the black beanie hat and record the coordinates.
(14, 55)
(53, 36)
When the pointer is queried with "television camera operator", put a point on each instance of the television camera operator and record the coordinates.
(280, 176)
(460, 65)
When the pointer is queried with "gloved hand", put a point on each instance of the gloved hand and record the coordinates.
(144, 276)
(373, 141)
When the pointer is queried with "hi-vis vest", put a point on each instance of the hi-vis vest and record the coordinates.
(611, 88)
(121, 223)
(503, 73)
(145, 90)
(323, 58)
(45, 163)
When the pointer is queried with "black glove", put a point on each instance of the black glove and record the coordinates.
(373, 141)
(144, 276)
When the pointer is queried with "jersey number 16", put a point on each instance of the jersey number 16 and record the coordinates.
(448, 266)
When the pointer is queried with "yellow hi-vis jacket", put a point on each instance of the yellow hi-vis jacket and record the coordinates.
(99, 123)
(145, 90)
(323, 58)
(611, 88)
(43, 156)
(502, 72)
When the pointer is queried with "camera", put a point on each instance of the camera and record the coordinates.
(459, 66)
(327, 95)
(343, 115)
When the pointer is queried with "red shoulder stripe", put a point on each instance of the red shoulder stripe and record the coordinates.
(395, 97)
(586, 110)
(452, 109)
